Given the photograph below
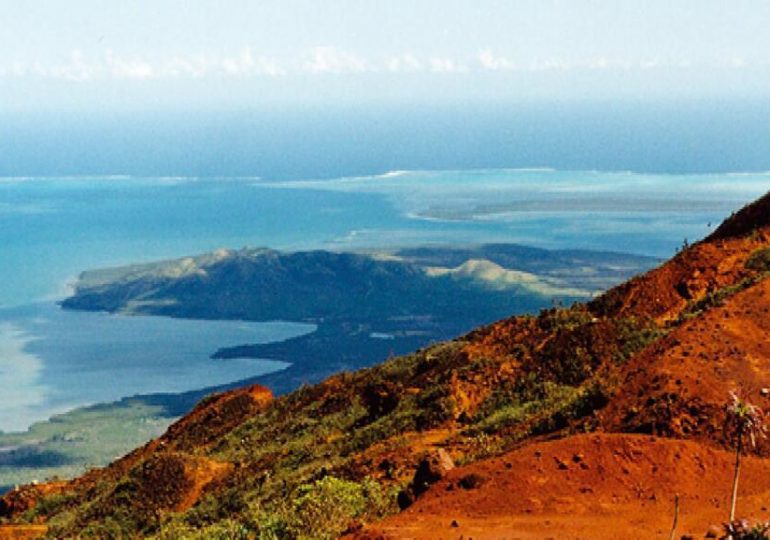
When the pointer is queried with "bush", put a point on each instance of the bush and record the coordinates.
(716, 298)
(227, 529)
(634, 335)
(759, 260)
(325, 509)
(212, 509)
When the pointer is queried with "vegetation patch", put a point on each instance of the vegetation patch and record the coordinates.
(718, 298)
(308, 465)
(69, 444)
(323, 510)
(759, 260)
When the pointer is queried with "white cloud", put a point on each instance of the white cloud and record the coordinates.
(549, 64)
(76, 69)
(333, 60)
(602, 62)
(246, 63)
(405, 63)
(113, 66)
(269, 67)
(491, 62)
(446, 65)
(123, 68)
(195, 67)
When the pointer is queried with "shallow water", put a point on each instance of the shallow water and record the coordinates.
(52, 360)
(53, 228)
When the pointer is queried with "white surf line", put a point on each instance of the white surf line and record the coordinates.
(19, 379)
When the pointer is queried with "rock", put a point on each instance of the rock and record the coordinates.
(471, 481)
(713, 532)
(387, 467)
(430, 470)
(404, 499)
(454, 524)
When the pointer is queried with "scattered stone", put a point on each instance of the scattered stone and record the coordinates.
(471, 481)
(404, 499)
(387, 467)
(430, 470)
(454, 524)
(713, 532)
(764, 392)
(561, 464)
(577, 458)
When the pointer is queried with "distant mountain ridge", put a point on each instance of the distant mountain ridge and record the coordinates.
(264, 284)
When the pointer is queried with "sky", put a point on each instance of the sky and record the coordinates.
(176, 54)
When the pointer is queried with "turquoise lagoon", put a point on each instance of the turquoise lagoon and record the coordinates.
(53, 228)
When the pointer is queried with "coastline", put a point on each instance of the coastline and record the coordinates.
(57, 360)
(19, 375)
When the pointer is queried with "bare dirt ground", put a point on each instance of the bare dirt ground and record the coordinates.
(597, 486)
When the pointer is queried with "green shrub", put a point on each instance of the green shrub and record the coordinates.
(554, 397)
(212, 509)
(717, 298)
(634, 335)
(326, 508)
(116, 526)
(47, 506)
(226, 529)
(759, 260)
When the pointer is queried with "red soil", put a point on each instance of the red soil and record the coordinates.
(623, 485)
(662, 293)
(597, 486)
(601, 486)
(169, 472)
(678, 386)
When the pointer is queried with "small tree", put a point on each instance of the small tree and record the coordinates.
(743, 421)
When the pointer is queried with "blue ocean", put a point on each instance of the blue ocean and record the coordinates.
(81, 193)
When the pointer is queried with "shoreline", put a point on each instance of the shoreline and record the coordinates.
(57, 361)
(19, 373)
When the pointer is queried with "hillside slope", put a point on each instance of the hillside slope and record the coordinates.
(655, 356)
(600, 487)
